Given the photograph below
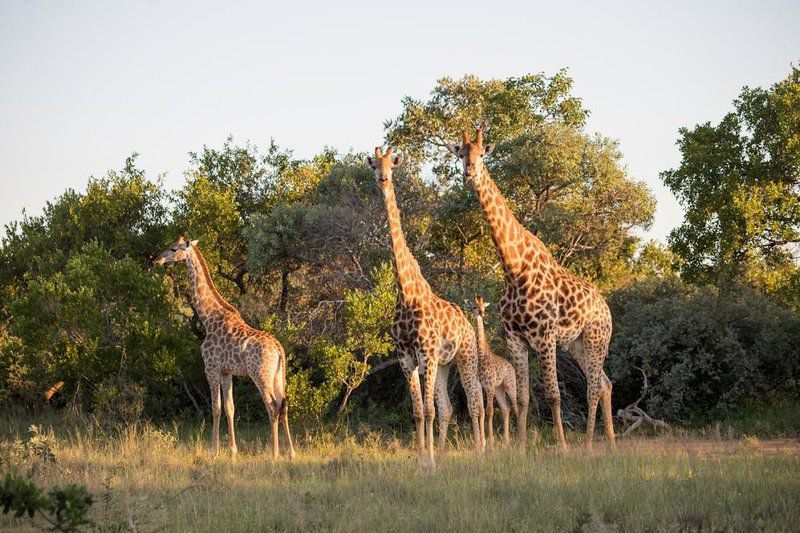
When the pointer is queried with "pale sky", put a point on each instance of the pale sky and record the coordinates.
(84, 84)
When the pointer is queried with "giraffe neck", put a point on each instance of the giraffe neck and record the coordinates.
(206, 299)
(511, 239)
(483, 347)
(409, 276)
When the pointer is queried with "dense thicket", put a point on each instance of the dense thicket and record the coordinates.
(300, 246)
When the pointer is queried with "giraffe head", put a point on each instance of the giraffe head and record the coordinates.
(382, 165)
(471, 153)
(478, 306)
(178, 251)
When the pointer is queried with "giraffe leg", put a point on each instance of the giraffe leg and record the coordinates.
(505, 408)
(592, 398)
(519, 358)
(467, 362)
(490, 416)
(546, 350)
(226, 383)
(285, 419)
(443, 405)
(273, 409)
(410, 370)
(216, 412)
(429, 391)
(608, 417)
(590, 351)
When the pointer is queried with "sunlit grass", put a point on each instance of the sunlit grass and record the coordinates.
(372, 483)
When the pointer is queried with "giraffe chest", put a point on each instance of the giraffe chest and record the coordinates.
(426, 330)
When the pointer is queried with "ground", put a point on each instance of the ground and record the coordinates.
(153, 479)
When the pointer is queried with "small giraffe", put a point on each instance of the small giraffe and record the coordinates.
(543, 306)
(429, 332)
(497, 376)
(232, 348)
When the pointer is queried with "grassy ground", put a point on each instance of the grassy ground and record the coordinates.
(164, 479)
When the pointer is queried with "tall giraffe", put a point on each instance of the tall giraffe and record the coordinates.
(497, 375)
(544, 306)
(232, 348)
(429, 332)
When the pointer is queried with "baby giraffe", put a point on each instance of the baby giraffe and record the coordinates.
(232, 348)
(496, 374)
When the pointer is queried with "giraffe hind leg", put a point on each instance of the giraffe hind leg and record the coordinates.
(505, 409)
(443, 405)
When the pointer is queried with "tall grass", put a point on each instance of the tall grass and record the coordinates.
(152, 478)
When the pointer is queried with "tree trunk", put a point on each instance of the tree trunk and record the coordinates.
(344, 400)
(284, 290)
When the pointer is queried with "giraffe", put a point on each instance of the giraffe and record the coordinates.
(497, 376)
(543, 306)
(232, 348)
(429, 333)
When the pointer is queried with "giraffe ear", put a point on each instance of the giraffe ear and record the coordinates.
(398, 160)
(368, 161)
(454, 149)
(488, 149)
(194, 242)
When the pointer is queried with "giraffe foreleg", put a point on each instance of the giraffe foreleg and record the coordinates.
(226, 383)
(490, 417)
(410, 369)
(216, 412)
(429, 352)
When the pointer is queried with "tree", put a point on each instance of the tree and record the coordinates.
(123, 211)
(573, 191)
(507, 107)
(738, 181)
(101, 318)
(569, 187)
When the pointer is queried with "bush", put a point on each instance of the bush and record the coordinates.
(706, 353)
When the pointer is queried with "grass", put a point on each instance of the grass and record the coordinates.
(164, 479)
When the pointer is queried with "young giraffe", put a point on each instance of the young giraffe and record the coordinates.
(429, 332)
(497, 376)
(543, 306)
(232, 348)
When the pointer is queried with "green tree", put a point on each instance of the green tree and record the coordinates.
(738, 181)
(123, 211)
(101, 318)
(507, 107)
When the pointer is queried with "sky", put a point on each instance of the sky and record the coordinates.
(83, 84)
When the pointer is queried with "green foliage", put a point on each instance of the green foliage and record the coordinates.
(124, 212)
(300, 246)
(567, 186)
(738, 181)
(705, 354)
(573, 190)
(64, 508)
(508, 107)
(100, 317)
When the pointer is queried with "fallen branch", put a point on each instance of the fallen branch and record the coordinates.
(635, 415)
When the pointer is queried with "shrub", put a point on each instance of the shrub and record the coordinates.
(705, 353)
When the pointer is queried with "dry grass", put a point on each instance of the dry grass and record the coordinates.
(153, 480)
